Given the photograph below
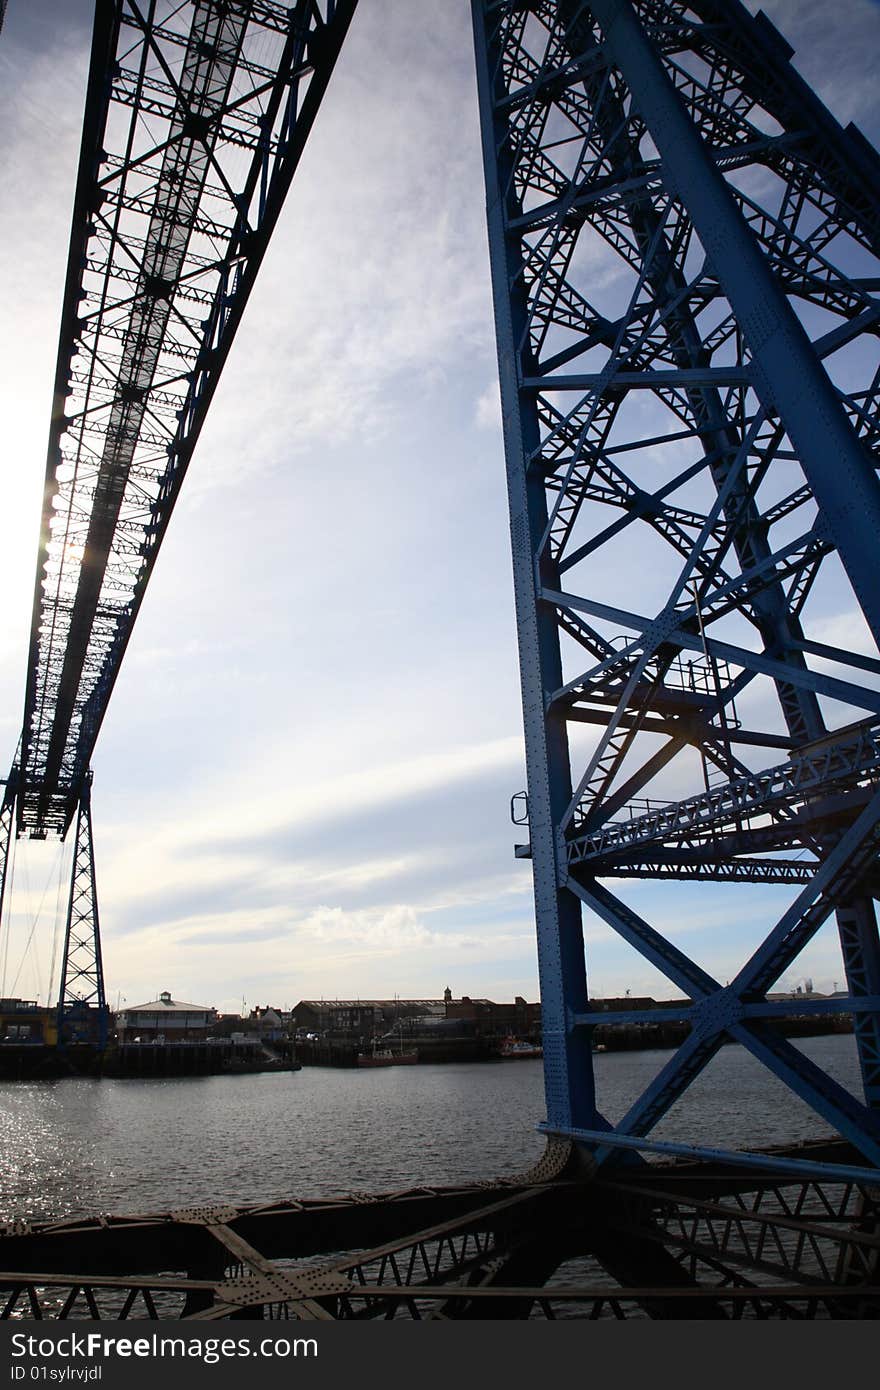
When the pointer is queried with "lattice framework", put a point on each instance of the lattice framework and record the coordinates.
(684, 252)
(196, 116)
(701, 1245)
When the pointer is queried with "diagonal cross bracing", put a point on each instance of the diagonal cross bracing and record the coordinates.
(852, 761)
(196, 115)
(685, 252)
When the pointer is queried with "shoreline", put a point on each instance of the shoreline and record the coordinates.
(219, 1057)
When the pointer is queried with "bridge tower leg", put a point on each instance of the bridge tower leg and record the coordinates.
(7, 830)
(690, 390)
(82, 1005)
(7, 823)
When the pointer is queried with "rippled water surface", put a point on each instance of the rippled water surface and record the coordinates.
(82, 1146)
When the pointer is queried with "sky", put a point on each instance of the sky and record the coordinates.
(302, 784)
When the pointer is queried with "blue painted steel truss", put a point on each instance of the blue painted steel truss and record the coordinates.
(196, 116)
(684, 250)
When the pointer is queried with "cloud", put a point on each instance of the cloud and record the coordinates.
(303, 777)
(326, 951)
(376, 281)
(831, 56)
(488, 409)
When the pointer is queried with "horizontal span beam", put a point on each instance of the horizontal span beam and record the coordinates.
(188, 220)
(768, 1008)
(741, 1158)
(687, 377)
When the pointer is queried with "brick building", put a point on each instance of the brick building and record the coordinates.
(366, 1017)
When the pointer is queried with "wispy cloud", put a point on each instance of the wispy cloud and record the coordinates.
(488, 409)
(302, 782)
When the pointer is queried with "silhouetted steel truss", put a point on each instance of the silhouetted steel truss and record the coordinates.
(196, 116)
(684, 251)
(684, 255)
(694, 1242)
(82, 999)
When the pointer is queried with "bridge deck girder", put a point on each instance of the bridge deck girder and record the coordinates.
(687, 1240)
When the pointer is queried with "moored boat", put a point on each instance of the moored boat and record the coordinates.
(384, 1057)
(514, 1049)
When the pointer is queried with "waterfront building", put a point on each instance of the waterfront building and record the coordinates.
(367, 1017)
(24, 1021)
(357, 1017)
(268, 1023)
(165, 1019)
(519, 1019)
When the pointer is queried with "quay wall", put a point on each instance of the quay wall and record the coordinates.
(34, 1062)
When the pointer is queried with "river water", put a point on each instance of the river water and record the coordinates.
(82, 1147)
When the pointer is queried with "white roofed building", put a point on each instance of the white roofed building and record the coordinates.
(165, 1018)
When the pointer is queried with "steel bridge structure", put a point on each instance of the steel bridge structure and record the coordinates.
(685, 262)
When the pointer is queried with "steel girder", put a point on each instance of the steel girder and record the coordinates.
(684, 248)
(196, 116)
(692, 1243)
